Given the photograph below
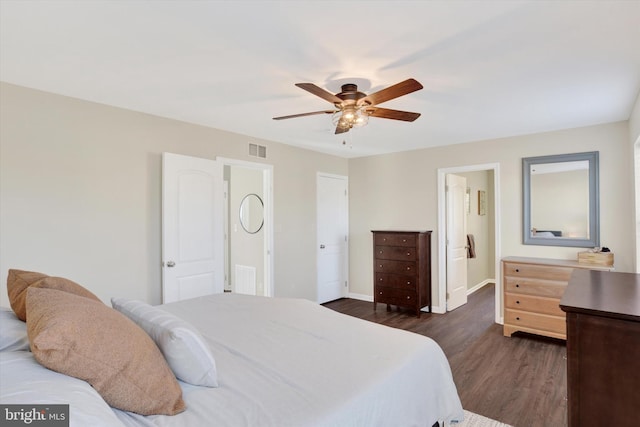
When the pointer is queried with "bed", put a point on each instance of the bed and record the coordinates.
(278, 362)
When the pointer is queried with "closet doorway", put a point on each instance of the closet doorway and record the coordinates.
(248, 227)
(483, 202)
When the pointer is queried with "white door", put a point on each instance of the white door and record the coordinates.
(456, 187)
(332, 238)
(192, 227)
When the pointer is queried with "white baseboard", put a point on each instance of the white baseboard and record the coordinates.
(360, 297)
(437, 310)
(480, 285)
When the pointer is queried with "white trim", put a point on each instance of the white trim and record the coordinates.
(442, 259)
(480, 286)
(361, 297)
(267, 183)
(438, 310)
(636, 195)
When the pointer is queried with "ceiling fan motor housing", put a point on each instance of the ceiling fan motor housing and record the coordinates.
(349, 94)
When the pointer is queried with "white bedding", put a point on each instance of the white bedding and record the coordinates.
(280, 362)
(288, 362)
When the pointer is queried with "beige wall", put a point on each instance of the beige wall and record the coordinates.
(400, 190)
(80, 193)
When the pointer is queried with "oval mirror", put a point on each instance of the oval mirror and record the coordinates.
(251, 213)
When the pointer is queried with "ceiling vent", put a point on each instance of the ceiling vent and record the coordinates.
(256, 150)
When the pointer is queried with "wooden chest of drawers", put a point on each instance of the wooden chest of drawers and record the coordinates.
(603, 344)
(402, 269)
(533, 288)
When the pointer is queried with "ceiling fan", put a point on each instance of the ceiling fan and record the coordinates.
(353, 108)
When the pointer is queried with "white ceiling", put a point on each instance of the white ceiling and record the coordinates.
(490, 69)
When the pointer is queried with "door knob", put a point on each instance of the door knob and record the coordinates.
(171, 264)
(321, 246)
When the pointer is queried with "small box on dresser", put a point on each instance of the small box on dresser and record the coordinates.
(532, 288)
(402, 269)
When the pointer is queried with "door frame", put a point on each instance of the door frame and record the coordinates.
(442, 234)
(267, 193)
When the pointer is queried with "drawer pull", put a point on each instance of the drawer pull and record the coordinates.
(380, 265)
(381, 252)
(517, 285)
(408, 253)
(517, 318)
(517, 302)
(408, 297)
(380, 279)
(380, 293)
(408, 268)
(404, 240)
(408, 282)
(517, 270)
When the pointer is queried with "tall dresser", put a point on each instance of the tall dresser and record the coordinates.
(532, 291)
(402, 269)
(603, 348)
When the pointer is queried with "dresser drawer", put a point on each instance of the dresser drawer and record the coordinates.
(546, 272)
(396, 253)
(535, 287)
(396, 281)
(542, 322)
(396, 296)
(532, 303)
(395, 267)
(395, 239)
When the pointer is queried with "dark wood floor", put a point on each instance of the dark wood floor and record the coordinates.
(519, 380)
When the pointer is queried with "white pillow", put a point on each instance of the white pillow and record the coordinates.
(13, 331)
(25, 381)
(182, 346)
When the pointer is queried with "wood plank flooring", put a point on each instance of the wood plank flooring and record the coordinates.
(519, 380)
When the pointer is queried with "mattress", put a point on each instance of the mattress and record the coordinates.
(291, 362)
(280, 362)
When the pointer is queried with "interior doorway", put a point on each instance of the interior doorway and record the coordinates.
(441, 306)
(248, 227)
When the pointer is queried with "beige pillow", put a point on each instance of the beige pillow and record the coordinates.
(18, 281)
(86, 339)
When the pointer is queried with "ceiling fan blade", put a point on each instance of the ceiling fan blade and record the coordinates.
(395, 91)
(304, 114)
(340, 129)
(318, 91)
(385, 113)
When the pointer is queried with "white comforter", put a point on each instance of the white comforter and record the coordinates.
(288, 362)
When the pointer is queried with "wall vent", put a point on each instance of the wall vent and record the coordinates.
(245, 280)
(256, 150)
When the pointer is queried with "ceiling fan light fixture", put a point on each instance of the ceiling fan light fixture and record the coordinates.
(350, 117)
(352, 108)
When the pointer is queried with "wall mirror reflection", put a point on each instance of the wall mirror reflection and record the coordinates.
(251, 213)
(561, 200)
